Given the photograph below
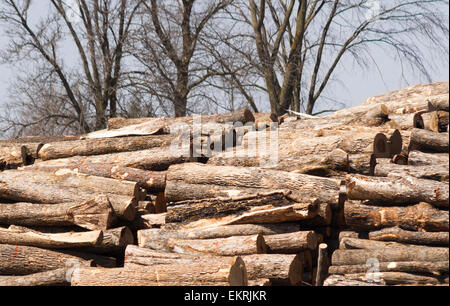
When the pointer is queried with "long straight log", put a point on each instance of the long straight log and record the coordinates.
(345, 281)
(389, 279)
(435, 121)
(356, 243)
(302, 186)
(88, 147)
(23, 260)
(157, 238)
(429, 141)
(67, 186)
(232, 246)
(397, 234)
(51, 241)
(438, 103)
(291, 243)
(433, 268)
(437, 173)
(12, 157)
(361, 256)
(417, 158)
(421, 217)
(230, 273)
(397, 190)
(44, 279)
(114, 241)
(93, 214)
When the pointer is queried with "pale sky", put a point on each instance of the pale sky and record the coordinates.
(358, 85)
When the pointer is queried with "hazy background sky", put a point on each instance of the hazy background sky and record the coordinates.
(358, 87)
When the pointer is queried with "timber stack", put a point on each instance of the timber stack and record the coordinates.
(359, 197)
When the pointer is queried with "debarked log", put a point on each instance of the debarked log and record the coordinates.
(397, 234)
(420, 217)
(230, 272)
(93, 214)
(397, 190)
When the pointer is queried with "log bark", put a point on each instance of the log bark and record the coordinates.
(437, 172)
(302, 186)
(397, 234)
(397, 190)
(346, 281)
(231, 272)
(67, 186)
(356, 243)
(405, 121)
(51, 241)
(438, 103)
(416, 267)
(150, 180)
(44, 279)
(145, 221)
(291, 243)
(88, 147)
(12, 157)
(429, 141)
(421, 217)
(93, 214)
(322, 265)
(417, 158)
(114, 242)
(24, 260)
(434, 121)
(232, 246)
(157, 238)
(387, 278)
(360, 257)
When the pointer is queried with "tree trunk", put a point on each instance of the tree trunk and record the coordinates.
(93, 214)
(44, 279)
(417, 158)
(390, 279)
(302, 186)
(397, 190)
(429, 141)
(68, 186)
(230, 273)
(346, 281)
(12, 157)
(361, 256)
(437, 172)
(405, 121)
(50, 241)
(322, 265)
(114, 242)
(89, 147)
(421, 217)
(415, 267)
(291, 243)
(232, 246)
(397, 234)
(435, 121)
(356, 243)
(438, 103)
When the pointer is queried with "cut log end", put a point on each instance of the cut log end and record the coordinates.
(238, 273)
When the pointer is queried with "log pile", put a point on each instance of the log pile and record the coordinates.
(359, 197)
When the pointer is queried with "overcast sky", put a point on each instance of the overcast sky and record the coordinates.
(358, 85)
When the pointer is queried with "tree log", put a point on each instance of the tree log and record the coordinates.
(12, 157)
(302, 186)
(51, 241)
(231, 272)
(397, 234)
(417, 158)
(44, 279)
(93, 214)
(434, 121)
(361, 256)
(346, 281)
(397, 190)
(437, 172)
(356, 243)
(291, 243)
(67, 186)
(429, 141)
(114, 242)
(438, 103)
(421, 217)
(385, 278)
(232, 246)
(322, 265)
(432, 268)
(23, 260)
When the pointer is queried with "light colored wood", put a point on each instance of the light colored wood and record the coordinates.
(417, 158)
(430, 268)
(397, 234)
(322, 264)
(291, 243)
(437, 173)
(57, 277)
(429, 141)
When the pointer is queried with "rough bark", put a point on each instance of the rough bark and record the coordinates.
(44, 279)
(431, 172)
(429, 141)
(434, 121)
(148, 221)
(90, 147)
(231, 272)
(322, 265)
(302, 186)
(291, 243)
(421, 217)
(12, 157)
(93, 214)
(417, 267)
(360, 257)
(417, 158)
(397, 234)
(405, 121)
(397, 190)
(438, 103)
(114, 241)
(356, 243)
(346, 281)
(232, 246)
(384, 278)
(68, 186)
(50, 241)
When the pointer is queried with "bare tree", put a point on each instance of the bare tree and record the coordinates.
(97, 35)
(301, 43)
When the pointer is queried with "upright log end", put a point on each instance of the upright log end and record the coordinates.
(238, 273)
(261, 246)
